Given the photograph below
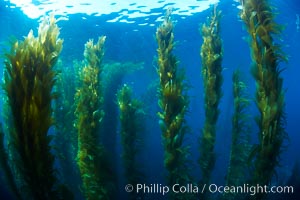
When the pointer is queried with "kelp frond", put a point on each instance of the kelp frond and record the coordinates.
(91, 157)
(29, 80)
(173, 102)
(211, 55)
(131, 117)
(258, 16)
(240, 141)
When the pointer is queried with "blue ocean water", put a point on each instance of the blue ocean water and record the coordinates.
(135, 42)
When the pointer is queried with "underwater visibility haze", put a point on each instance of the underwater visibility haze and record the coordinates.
(194, 99)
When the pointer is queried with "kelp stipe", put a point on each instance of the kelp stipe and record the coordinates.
(29, 80)
(266, 55)
(131, 117)
(238, 173)
(211, 55)
(173, 102)
(91, 157)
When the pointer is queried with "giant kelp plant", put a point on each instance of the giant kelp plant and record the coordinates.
(89, 114)
(173, 102)
(112, 77)
(131, 117)
(211, 55)
(240, 140)
(266, 55)
(29, 79)
(65, 137)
